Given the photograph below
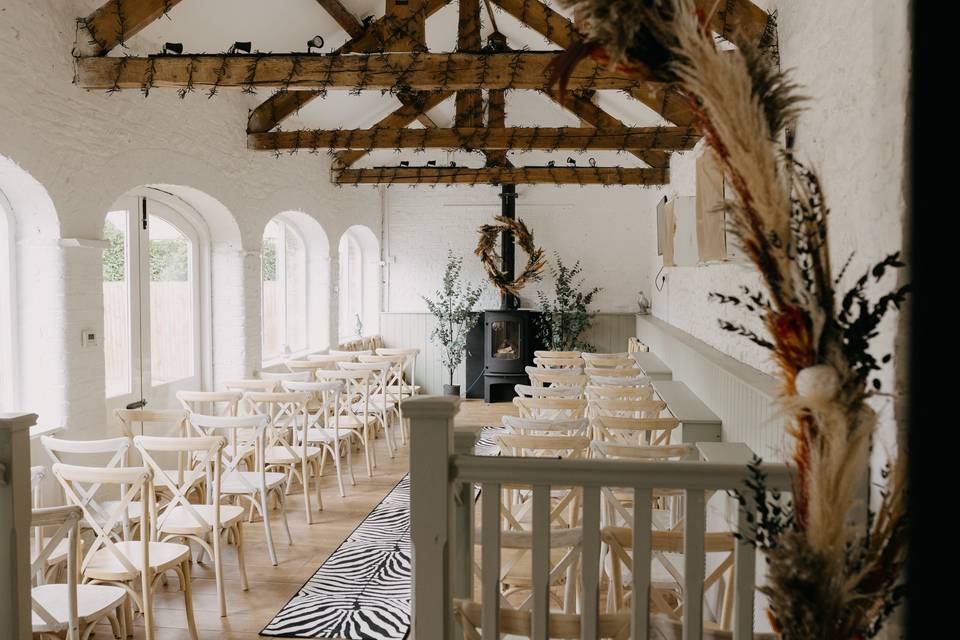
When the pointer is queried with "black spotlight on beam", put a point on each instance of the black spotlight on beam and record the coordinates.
(404, 163)
(571, 162)
(593, 162)
(453, 164)
(552, 163)
(431, 163)
(174, 48)
(238, 46)
(316, 42)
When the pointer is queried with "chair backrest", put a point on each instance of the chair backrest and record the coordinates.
(358, 386)
(243, 386)
(540, 377)
(614, 451)
(79, 486)
(325, 400)
(575, 362)
(632, 380)
(245, 437)
(67, 520)
(169, 422)
(614, 372)
(205, 451)
(409, 364)
(588, 356)
(324, 361)
(285, 411)
(612, 362)
(516, 623)
(543, 446)
(528, 426)
(349, 356)
(627, 408)
(618, 392)
(114, 450)
(528, 391)
(280, 376)
(211, 403)
(300, 366)
(556, 354)
(551, 408)
(654, 431)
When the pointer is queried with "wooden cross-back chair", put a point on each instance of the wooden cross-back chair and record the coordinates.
(307, 366)
(551, 408)
(354, 408)
(210, 403)
(108, 453)
(251, 384)
(393, 385)
(540, 353)
(324, 428)
(565, 501)
(666, 592)
(589, 355)
(325, 361)
(529, 391)
(179, 518)
(534, 426)
(623, 430)
(408, 386)
(244, 475)
(376, 396)
(632, 380)
(70, 610)
(626, 408)
(540, 377)
(614, 372)
(574, 362)
(286, 376)
(287, 447)
(117, 560)
(519, 624)
(166, 423)
(612, 361)
(617, 392)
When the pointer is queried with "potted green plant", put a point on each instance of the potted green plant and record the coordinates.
(452, 307)
(565, 316)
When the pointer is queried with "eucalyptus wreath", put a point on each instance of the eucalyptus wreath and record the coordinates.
(486, 249)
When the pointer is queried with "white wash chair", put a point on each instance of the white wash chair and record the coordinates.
(287, 446)
(540, 377)
(595, 392)
(588, 356)
(244, 475)
(210, 403)
(251, 384)
(55, 558)
(530, 426)
(378, 399)
(598, 361)
(205, 523)
(307, 366)
(666, 591)
(519, 624)
(575, 362)
(168, 423)
(551, 408)
(408, 378)
(633, 380)
(117, 560)
(354, 408)
(634, 431)
(613, 372)
(555, 354)
(324, 428)
(392, 386)
(70, 610)
(287, 376)
(529, 391)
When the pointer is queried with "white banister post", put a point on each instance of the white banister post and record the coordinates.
(431, 511)
(15, 610)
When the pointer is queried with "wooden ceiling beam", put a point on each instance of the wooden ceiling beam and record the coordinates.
(347, 21)
(479, 138)
(113, 23)
(375, 37)
(398, 119)
(613, 176)
(469, 104)
(555, 27)
(382, 71)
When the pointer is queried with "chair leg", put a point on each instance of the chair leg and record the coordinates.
(349, 451)
(241, 558)
(185, 580)
(365, 443)
(266, 528)
(306, 491)
(146, 596)
(218, 572)
(283, 512)
(336, 465)
(316, 484)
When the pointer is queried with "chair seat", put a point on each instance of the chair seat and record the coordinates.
(233, 482)
(181, 521)
(93, 602)
(326, 435)
(104, 565)
(282, 455)
(350, 421)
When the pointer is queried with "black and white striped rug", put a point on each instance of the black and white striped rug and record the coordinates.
(362, 591)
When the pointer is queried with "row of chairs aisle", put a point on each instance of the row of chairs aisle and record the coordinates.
(177, 487)
(589, 406)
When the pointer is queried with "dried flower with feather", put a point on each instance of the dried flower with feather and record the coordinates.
(827, 577)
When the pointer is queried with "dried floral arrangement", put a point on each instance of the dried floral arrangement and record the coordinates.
(827, 577)
(486, 250)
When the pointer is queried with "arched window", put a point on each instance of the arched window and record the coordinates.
(285, 315)
(359, 283)
(7, 307)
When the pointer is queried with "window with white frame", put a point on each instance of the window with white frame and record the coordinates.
(7, 307)
(284, 295)
(351, 288)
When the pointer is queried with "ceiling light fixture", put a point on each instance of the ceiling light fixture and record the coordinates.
(174, 48)
(239, 46)
(316, 42)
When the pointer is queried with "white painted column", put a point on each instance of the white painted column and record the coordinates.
(15, 616)
(334, 292)
(431, 512)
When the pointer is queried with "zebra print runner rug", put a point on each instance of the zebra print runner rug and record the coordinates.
(362, 591)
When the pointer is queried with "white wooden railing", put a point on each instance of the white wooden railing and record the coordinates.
(15, 618)
(443, 481)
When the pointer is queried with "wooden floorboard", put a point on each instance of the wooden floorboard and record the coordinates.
(271, 587)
